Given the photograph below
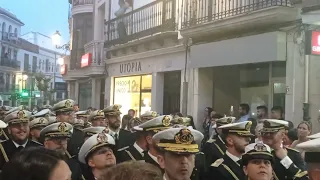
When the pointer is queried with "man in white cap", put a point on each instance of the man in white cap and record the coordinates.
(90, 131)
(56, 138)
(312, 156)
(64, 113)
(146, 144)
(237, 136)
(257, 162)
(97, 118)
(288, 162)
(97, 153)
(178, 147)
(122, 137)
(215, 147)
(18, 128)
(36, 125)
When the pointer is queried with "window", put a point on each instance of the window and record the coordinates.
(16, 32)
(34, 64)
(10, 29)
(26, 62)
(9, 53)
(15, 55)
(47, 65)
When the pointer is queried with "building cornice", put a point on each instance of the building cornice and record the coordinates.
(152, 53)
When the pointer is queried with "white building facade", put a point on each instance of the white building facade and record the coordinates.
(250, 52)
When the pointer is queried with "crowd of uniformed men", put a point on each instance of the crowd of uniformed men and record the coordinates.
(92, 142)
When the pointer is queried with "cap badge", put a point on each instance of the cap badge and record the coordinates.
(266, 124)
(180, 120)
(106, 130)
(21, 115)
(248, 126)
(184, 136)
(154, 114)
(260, 147)
(62, 127)
(229, 120)
(115, 107)
(41, 121)
(100, 113)
(68, 104)
(166, 121)
(102, 137)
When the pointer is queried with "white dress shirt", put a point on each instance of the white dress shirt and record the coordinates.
(17, 145)
(153, 157)
(233, 157)
(138, 148)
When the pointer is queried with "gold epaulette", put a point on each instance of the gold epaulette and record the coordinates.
(292, 149)
(124, 148)
(211, 141)
(217, 163)
(300, 174)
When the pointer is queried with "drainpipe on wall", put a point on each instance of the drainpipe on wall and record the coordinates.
(187, 44)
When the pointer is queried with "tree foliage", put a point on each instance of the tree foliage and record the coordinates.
(43, 85)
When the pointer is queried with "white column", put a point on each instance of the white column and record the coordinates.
(108, 95)
(76, 92)
(157, 92)
(97, 94)
(200, 92)
(93, 92)
(294, 81)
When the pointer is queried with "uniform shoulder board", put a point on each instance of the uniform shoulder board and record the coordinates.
(124, 148)
(211, 140)
(217, 163)
(36, 142)
(292, 149)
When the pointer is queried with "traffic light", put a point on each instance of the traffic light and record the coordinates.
(24, 93)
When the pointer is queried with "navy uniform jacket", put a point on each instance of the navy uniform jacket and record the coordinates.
(197, 173)
(75, 142)
(225, 169)
(213, 149)
(126, 138)
(296, 171)
(128, 153)
(8, 149)
(148, 159)
(75, 167)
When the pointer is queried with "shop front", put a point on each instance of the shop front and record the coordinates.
(139, 83)
(227, 73)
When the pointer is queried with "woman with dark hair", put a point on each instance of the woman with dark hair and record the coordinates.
(36, 163)
(191, 122)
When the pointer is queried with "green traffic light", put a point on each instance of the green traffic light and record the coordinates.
(24, 94)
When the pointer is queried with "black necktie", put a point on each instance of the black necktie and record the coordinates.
(19, 148)
(116, 136)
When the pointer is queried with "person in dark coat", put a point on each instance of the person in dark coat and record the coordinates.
(237, 137)
(64, 113)
(55, 137)
(18, 128)
(122, 137)
(288, 162)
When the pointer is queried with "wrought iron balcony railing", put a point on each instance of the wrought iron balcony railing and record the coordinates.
(204, 11)
(10, 37)
(9, 63)
(81, 2)
(155, 17)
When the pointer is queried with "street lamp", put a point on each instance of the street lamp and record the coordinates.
(56, 38)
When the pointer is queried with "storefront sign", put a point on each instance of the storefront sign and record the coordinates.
(86, 60)
(312, 43)
(130, 67)
(63, 69)
(61, 86)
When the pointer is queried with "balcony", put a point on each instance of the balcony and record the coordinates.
(10, 37)
(10, 64)
(150, 20)
(218, 17)
(82, 6)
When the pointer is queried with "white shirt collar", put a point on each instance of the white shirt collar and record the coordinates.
(164, 176)
(138, 148)
(17, 145)
(111, 132)
(153, 157)
(233, 157)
